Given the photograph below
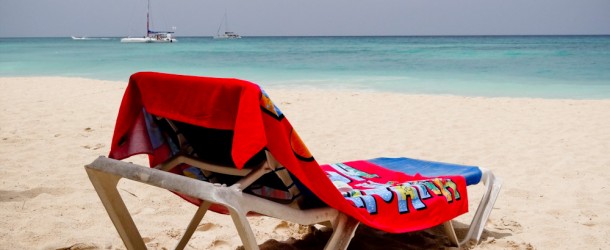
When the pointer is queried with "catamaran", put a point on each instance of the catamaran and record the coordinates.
(226, 34)
(151, 36)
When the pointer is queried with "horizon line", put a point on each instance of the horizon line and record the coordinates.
(254, 36)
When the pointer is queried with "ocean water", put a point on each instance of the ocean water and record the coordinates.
(576, 67)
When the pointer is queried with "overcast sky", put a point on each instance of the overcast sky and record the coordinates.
(101, 18)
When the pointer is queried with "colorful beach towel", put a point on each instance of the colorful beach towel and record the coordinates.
(379, 197)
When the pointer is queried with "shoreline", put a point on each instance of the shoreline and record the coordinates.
(551, 153)
(312, 88)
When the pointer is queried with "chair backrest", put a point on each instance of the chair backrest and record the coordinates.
(214, 146)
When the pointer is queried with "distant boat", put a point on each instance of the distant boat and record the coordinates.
(226, 34)
(151, 36)
(79, 38)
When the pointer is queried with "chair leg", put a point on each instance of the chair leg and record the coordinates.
(344, 228)
(487, 203)
(243, 228)
(477, 225)
(105, 185)
(450, 231)
(203, 208)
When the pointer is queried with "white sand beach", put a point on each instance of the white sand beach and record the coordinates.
(553, 155)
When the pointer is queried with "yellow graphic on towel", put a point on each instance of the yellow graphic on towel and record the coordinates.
(414, 193)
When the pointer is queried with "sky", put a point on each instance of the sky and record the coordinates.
(117, 18)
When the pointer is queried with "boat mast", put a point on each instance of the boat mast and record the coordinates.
(222, 22)
(226, 22)
(147, 18)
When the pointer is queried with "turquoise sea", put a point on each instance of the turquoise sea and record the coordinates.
(515, 66)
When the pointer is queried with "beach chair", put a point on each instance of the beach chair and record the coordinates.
(222, 145)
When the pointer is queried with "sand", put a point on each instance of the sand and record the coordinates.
(553, 155)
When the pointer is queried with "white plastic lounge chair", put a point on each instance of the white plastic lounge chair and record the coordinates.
(238, 190)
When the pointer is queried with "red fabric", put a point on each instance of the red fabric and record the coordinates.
(422, 210)
(241, 106)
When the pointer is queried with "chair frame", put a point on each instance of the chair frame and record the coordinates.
(477, 225)
(105, 174)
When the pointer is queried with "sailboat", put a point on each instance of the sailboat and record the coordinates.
(226, 34)
(151, 36)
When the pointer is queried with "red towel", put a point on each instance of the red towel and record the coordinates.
(243, 107)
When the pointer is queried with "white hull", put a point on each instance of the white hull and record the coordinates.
(224, 37)
(227, 35)
(147, 40)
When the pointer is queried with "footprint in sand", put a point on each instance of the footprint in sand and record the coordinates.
(95, 147)
(87, 132)
(80, 246)
(147, 240)
(504, 244)
(219, 244)
(10, 195)
(518, 193)
(206, 226)
(282, 227)
(282, 224)
(506, 224)
(587, 218)
(173, 233)
(144, 211)
(522, 245)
